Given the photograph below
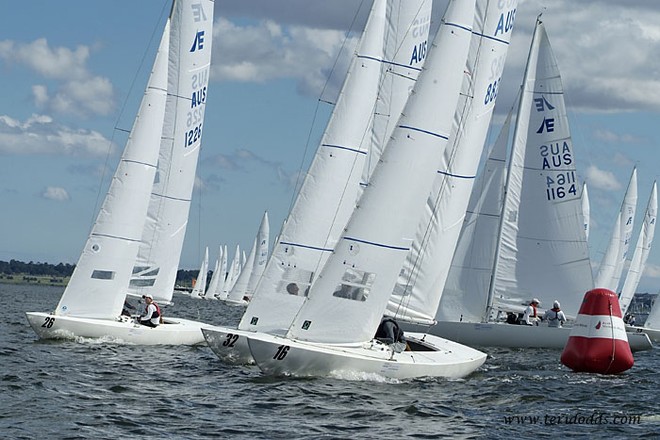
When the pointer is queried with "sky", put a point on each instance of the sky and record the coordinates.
(72, 74)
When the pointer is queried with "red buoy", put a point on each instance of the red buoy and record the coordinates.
(598, 342)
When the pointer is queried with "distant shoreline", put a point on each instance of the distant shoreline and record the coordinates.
(42, 280)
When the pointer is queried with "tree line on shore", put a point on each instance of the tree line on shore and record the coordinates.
(64, 270)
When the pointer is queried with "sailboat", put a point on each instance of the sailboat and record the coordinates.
(334, 331)
(218, 274)
(611, 266)
(92, 301)
(638, 263)
(523, 235)
(383, 69)
(252, 269)
(199, 289)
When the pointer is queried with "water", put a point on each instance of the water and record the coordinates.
(90, 389)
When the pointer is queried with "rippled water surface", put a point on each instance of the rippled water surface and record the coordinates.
(92, 389)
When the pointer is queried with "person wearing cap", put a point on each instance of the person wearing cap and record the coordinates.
(531, 316)
(151, 316)
(555, 316)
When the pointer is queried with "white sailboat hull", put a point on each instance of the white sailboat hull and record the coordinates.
(432, 357)
(517, 336)
(653, 334)
(174, 331)
(229, 344)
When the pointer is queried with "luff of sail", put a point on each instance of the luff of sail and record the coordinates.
(422, 279)
(189, 66)
(348, 299)
(642, 250)
(98, 285)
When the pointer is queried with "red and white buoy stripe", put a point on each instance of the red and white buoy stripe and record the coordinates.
(598, 342)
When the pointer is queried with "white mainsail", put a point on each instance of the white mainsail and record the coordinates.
(611, 266)
(327, 196)
(543, 250)
(157, 262)
(642, 250)
(540, 249)
(422, 279)
(97, 288)
(199, 289)
(349, 298)
(217, 277)
(261, 256)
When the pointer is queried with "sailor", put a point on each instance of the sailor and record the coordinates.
(152, 314)
(390, 333)
(555, 316)
(531, 317)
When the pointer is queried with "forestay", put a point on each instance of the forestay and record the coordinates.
(158, 258)
(349, 298)
(422, 279)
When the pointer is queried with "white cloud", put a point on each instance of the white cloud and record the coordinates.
(606, 51)
(652, 271)
(267, 51)
(40, 135)
(56, 193)
(601, 179)
(78, 91)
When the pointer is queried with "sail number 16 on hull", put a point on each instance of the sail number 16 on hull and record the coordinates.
(562, 185)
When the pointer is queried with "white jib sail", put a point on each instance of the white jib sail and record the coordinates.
(642, 250)
(97, 288)
(611, 266)
(188, 77)
(465, 296)
(419, 287)
(318, 214)
(349, 298)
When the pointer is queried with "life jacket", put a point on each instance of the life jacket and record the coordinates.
(534, 308)
(556, 311)
(158, 313)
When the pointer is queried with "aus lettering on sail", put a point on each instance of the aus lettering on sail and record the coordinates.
(556, 157)
(420, 29)
(504, 26)
(199, 82)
